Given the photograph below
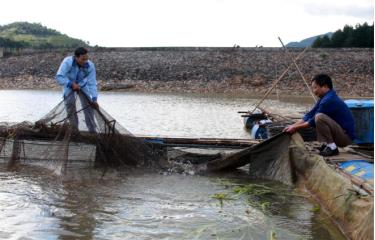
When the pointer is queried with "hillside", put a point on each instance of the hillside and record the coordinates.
(307, 42)
(200, 70)
(35, 35)
(359, 36)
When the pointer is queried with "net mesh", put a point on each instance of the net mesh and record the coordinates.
(266, 160)
(76, 130)
(78, 133)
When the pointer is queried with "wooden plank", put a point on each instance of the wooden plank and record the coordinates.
(203, 141)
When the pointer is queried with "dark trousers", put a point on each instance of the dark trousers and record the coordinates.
(71, 109)
(329, 131)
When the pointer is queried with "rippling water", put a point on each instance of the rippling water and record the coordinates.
(139, 204)
(153, 114)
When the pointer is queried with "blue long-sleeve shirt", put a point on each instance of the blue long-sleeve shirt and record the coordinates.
(331, 105)
(85, 76)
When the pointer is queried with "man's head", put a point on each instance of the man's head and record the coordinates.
(321, 84)
(81, 56)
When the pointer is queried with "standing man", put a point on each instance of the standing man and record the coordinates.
(77, 73)
(330, 116)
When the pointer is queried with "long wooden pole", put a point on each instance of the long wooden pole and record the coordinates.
(298, 69)
(277, 80)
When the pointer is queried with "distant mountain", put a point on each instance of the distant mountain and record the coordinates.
(35, 35)
(307, 42)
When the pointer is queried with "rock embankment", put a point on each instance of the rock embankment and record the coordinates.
(200, 70)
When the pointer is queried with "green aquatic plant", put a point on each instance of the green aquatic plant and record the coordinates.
(222, 197)
(315, 209)
(199, 231)
(273, 235)
(246, 189)
(257, 195)
(253, 189)
(264, 205)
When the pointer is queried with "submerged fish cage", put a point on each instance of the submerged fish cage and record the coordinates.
(74, 131)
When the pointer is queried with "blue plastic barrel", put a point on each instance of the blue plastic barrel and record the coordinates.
(363, 113)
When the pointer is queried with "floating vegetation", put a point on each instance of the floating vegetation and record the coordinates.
(273, 236)
(259, 196)
(315, 209)
(198, 233)
(264, 205)
(253, 189)
(222, 197)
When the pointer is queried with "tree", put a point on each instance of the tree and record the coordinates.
(361, 36)
(8, 43)
(338, 38)
(322, 42)
(348, 33)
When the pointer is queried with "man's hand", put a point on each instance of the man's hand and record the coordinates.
(301, 124)
(95, 105)
(75, 87)
(290, 129)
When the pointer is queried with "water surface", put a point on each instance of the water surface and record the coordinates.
(178, 115)
(145, 204)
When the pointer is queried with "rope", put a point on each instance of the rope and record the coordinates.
(298, 69)
(69, 115)
(277, 80)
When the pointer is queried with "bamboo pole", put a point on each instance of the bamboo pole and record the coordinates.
(277, 80)
(298, 69)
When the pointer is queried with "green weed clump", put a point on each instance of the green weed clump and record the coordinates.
(222, 197)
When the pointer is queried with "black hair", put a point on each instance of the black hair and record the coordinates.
(80, 51)
(323, 79)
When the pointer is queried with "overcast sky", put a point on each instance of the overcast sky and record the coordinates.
(220, 23)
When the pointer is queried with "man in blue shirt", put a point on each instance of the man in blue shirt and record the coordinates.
(77, 73)
(330, 116)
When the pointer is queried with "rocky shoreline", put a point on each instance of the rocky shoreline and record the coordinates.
(243, 71)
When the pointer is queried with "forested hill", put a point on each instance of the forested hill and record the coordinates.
(35, 35)
(360, 36)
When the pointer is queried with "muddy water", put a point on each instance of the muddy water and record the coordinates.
(139, 204)
(157, 114)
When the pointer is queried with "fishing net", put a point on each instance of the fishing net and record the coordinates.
(75, 131)
(275, 128)
(268, 160)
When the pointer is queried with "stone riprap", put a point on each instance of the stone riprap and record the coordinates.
(200, 70)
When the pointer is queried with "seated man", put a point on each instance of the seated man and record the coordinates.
(330, 116)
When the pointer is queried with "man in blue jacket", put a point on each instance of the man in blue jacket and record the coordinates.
(77, 73)
(330, 116)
